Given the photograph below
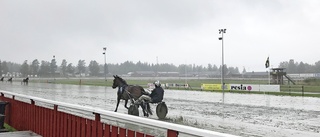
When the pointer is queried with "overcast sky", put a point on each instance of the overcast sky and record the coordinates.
(174, 31)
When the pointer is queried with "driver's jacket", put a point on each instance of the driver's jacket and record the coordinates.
(157, 95)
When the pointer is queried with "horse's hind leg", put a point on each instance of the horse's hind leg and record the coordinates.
(125, 104)
(145, 113)
(149, 109)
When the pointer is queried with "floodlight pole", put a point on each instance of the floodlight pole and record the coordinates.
(54, 60)
(105, 64)
(221, 31)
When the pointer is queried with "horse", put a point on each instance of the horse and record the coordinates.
(1, 79)
(9, 80)
(126, 92)
(25, 81)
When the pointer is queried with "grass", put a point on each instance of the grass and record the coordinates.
(194, 83)
(310, 88)
(9, 128)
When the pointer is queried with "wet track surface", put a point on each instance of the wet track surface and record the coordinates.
(239, 114)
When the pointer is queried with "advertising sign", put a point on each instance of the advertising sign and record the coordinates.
(214, 87)
(242, 87)
(254, 87)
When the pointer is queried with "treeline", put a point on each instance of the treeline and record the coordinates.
(65, 69)
(48, 69)
(129, 66)
(296, 67)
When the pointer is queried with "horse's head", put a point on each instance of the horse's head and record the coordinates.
(117, 81)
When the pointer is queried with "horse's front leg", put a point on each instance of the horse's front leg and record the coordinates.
(118, 101)
(125, 104)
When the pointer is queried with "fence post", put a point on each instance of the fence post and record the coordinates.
(97, 120)
(302, 90)
(289, 90)
(32, 102)
(172, 133)
(33, 116)
(55, 120)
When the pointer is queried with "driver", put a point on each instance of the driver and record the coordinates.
(155, 96)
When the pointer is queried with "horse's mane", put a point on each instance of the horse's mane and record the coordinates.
(122, 80)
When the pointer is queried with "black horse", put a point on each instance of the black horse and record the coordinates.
(1, 79)
(25, 81)
(127, 92)
(9, 80)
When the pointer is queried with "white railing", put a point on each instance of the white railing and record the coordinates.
(128, 118)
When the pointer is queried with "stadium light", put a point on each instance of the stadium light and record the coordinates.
(105, 63)
(222, 31)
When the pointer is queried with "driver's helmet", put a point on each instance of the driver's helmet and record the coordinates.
(157, 83)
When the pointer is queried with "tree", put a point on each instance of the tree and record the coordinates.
(81, 66)
(283, 64)
(64, 67)
(53, 66)
(244, 70)
(199, 68)
(210, 67)
(24, 68)
(309, 68)
(13, 67)
(234, 70)
(185, 69)
(4, 67)
(34, 67)
(225, 69)
(94, 68)
(44, 68)
(292, 67)
(215, 68)
(317, 67)
(70, 69)
(301, 68)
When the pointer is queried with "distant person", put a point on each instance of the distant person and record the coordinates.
(156, 95)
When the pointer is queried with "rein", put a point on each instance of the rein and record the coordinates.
(122, 90)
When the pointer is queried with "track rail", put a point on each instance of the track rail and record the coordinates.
(48, 121)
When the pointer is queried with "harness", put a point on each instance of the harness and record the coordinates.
(121, 89)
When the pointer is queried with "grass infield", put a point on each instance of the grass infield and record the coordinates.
(302, 89)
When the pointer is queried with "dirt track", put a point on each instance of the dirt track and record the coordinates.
(240, 114)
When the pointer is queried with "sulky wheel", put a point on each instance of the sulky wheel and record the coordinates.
(162, 110)
(133, 110)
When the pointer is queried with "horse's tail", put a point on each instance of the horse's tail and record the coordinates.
(143, 92)
(141, 88)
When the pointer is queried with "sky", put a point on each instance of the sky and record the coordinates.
(161, 31)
